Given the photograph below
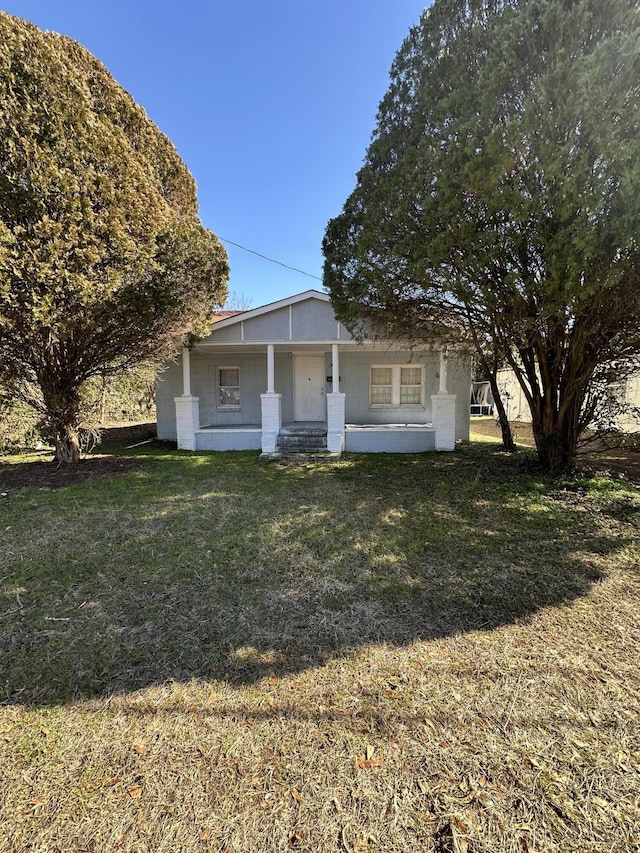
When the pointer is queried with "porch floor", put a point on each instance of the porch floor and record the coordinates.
(316, 425)
(358, 438)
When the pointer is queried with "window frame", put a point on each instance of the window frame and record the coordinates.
(235, 407)
(396, 386)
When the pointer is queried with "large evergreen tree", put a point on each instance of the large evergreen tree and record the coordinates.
(103, 260)
(500, 191)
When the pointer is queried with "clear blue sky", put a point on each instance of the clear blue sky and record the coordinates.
(271, 104)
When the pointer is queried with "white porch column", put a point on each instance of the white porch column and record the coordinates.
(270, 369)
(335, 406)
(187, 408)
(442, 389)
(443, 411)
(271, 420)
(271, 405)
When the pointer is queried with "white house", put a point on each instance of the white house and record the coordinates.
(290, 372)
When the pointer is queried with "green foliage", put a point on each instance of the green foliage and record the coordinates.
(103, 260)
(126, 397)
(500, 192)
(18, 425)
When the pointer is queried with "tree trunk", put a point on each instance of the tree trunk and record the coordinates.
(505, 427)
(491, 372)
(556, 437)
(62, 416)
(67, 443)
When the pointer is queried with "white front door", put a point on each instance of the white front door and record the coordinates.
(308, 388)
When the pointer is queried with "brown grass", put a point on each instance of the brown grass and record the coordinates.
(435, 653)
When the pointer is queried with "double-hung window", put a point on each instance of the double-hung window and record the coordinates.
(228, 380)
(396, 385)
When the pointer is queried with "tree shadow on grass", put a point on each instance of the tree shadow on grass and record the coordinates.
(220, 568)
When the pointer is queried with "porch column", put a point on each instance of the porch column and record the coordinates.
(335, 407)
(187, 408)
(271, 406)
(270, 369)
(442, 389)
(443, 410)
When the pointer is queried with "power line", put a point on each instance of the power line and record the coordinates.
(271, 260)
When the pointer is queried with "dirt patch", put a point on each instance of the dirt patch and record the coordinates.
(46, 474)
(621, 461)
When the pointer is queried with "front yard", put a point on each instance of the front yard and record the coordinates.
(199, 652)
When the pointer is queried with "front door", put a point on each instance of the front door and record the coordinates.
(308, 388)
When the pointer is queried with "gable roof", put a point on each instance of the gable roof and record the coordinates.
(238, 316)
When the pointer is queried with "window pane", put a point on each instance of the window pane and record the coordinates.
(381, 376)
(411, 376)
(229, 397)
(381, 395)
(229, 376)
(410, 396)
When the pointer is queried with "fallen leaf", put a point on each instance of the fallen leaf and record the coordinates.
(109, 783)
(134, 791)
(205, 835)
(297, 796)
(365, 763)
(460, 825)
(140, 748)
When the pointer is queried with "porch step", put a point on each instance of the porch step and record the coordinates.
(302, 440)
(318, 456)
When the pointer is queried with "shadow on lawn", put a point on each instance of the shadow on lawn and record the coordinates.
(225, 569)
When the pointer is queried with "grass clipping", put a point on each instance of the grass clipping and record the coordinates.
(433, 653)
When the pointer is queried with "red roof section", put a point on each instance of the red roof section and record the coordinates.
(224, 315)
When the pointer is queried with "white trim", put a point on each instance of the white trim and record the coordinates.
(285, 345)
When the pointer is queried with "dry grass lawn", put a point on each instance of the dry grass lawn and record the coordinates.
(429, 653)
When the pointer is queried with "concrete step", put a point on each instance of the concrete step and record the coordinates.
(316, 456)
(302, 440)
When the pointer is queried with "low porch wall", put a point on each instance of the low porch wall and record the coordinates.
(228, 438)
(389, 438)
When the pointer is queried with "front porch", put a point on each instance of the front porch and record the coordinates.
(273, 435)
(311, 438)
